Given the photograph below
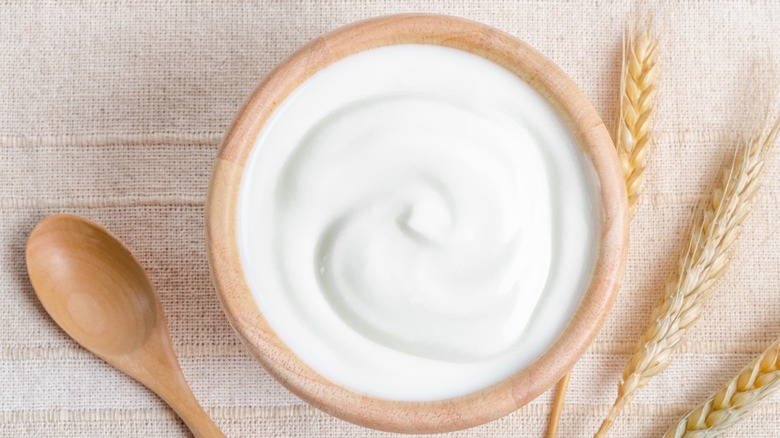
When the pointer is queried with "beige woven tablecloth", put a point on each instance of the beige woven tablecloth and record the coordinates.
(114, 110)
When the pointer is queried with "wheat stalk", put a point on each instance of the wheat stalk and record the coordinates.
(701, 265)
(632, 141)
(734, 400)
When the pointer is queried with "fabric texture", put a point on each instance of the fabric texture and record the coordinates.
(114, 110)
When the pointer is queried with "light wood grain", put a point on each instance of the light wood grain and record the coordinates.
(94, 289)
(415, 417)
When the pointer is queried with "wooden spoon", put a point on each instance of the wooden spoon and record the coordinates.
(94, 288)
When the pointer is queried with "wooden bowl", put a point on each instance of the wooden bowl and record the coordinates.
(415, 417)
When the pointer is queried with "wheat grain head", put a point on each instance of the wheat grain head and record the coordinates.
(701, 265)
(638, 91)
(735, 400)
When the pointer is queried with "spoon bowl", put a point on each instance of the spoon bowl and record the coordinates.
(94, 288)
(91, 285)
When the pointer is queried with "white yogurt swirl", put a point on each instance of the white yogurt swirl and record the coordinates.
(416, 222)
(419, 207)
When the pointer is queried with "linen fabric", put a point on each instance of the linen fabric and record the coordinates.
(114, 110)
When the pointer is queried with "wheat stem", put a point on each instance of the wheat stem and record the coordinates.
(701, 265)
(557, 408)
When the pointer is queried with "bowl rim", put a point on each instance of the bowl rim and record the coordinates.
(401, 416)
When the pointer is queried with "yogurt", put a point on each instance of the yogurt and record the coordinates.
(417, 223)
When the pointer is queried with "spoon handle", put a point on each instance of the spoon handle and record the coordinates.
(187, 407)
(177, 393)
(163, 375)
